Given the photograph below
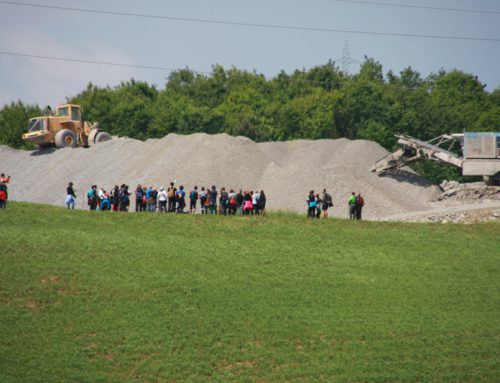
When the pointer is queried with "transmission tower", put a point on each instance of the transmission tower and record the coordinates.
(347, 60)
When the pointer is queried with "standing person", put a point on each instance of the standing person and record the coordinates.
(239, 202)
(144, 200)
(213, 200)
(172, 197)
(153, 196)
(311, 204)
(247, 203)
(171, 192)
(70, 196)
(232, 203)
(360, 202)
(193, 197)
(115, 198)
(92, 197)
(4, 194)
(223, 200)
(181, 203)
(124, 198)
(149, 190)
(262, 203)
(319, 202)
(162, 200)
(203, 200)
(100, 195)
(327, 203)
(256, 202)
(139, 193)
(352, 206)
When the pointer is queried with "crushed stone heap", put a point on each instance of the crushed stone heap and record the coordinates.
(286, 171)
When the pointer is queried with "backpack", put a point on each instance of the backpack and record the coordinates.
(360, 201)
(328, 199)
(193, 195)
(232, 202)
(138, 194)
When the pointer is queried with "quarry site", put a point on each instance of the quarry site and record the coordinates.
(286, 171)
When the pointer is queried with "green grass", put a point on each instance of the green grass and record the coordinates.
(112, 297)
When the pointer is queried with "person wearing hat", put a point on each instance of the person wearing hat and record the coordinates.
(70, 196)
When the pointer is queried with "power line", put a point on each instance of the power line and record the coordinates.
(417, 6)
(67, 59)
(254, 25)
(151, 67)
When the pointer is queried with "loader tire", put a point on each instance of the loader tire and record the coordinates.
(65, 138)
(102, 136)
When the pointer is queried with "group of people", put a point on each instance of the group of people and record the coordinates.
(173, 199)
(99, 199)
(4, 193)
(211, 200)
(317, 204)
(355, 203)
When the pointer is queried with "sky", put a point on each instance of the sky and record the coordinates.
(175, 44)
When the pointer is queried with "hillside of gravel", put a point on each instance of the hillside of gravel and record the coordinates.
(286, 171)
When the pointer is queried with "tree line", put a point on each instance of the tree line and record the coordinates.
(322, 102)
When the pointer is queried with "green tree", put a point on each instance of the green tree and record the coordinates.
(14, 120)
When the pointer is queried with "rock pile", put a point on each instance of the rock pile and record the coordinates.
(468, 193)
(286, 171)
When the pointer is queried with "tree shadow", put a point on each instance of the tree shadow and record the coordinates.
(406, 176)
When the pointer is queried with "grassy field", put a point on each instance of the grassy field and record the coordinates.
(111, 297)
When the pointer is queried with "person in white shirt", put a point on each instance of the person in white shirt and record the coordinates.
(255, 202)
(162, 199)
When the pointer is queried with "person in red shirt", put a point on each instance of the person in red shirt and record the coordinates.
(3, 195)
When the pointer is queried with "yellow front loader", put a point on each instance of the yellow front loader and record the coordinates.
(65, 129)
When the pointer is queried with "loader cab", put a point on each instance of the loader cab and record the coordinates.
(72, 112)
(36, 124)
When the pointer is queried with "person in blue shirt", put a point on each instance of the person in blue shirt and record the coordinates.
(149, 200)
(181, 195)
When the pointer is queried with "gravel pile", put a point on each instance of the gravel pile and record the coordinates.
(286, 171)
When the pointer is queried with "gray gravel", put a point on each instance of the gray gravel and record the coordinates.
(286, 171)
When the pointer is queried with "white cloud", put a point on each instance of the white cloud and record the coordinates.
(49, 82)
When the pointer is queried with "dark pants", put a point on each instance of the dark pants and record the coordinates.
(213, 208)
(138, 204)
(163, 206)
(358, 212)
(223, 208)
(180, 206)
(352, 212)
(256, 209)
(311, 211)
(3, 204)
(171, 204)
